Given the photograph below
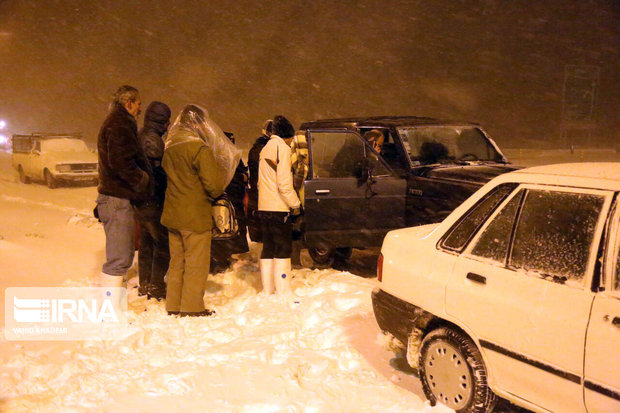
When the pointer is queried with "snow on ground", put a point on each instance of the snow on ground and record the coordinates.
(320, 351)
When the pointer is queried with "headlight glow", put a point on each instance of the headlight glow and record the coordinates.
(63, 168)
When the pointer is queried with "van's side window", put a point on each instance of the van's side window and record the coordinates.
(336, 155)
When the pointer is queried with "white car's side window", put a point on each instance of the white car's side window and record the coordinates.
(494, 241)
(616, 278)
(461, 233)
(554, 234)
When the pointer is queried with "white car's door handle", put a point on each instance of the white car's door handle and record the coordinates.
(476, 278)
(616, 322)
(321, 191)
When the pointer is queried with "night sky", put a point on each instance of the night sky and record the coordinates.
(500, 63)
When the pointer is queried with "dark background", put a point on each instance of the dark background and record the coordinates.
(500, 63)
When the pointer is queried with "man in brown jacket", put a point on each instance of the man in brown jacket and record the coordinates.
(197, 173)
(123, 179)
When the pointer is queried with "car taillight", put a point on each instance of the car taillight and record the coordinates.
(380, 267)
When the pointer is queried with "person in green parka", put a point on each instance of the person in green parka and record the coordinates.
(199, 161)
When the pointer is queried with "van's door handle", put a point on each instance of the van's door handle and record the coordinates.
(321, 191)
(476, 278)
(616, 322)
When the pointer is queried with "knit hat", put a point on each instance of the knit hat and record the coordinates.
(157, 112)
(282, 127)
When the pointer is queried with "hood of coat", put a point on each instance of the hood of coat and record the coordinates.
(157, 117)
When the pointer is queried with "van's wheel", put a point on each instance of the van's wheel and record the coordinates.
(322, 257)
(452, 372)
(22, 175)
(49, 180)
(344, 253)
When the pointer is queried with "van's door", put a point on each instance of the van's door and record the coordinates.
(602, 363)
(352, 198)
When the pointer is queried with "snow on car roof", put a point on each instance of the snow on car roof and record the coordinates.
(594, 175)
(592, 170)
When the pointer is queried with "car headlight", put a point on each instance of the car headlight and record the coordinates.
(63, 168)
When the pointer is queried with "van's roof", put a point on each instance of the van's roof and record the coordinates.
(386, 121)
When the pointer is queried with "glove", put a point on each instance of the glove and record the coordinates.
(296, 212)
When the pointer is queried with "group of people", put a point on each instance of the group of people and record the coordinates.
(166, 177)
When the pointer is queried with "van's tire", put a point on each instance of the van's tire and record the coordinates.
(322, 257)
(50, 181)
(344, 253)
(22, 175)
(452, 372)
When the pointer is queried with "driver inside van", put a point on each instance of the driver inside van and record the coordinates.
(375, 138)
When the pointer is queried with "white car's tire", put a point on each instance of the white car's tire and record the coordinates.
(50, 181)
(22, 175)
(453, 373)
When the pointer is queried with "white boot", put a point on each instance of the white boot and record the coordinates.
(106, 280)
(282, 274)
(266, 275)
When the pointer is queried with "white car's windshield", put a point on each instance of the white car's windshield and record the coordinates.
(63, 145)
(435, 144)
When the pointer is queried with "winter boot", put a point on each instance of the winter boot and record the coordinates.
(143, 289)
(203, 313)
(266, 275)
(157, 292)
(282, 274)
(106, 280)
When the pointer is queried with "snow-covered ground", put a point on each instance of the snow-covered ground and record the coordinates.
(320, 352)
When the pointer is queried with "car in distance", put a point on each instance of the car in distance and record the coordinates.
(356, 190)
(516, 294)
(53, 159)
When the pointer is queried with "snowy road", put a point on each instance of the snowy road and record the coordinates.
(319, 353)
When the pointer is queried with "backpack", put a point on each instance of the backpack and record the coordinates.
(224, 220)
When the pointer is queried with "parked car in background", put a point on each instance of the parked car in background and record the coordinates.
(515, 294)
(53, 159)
(413, 171)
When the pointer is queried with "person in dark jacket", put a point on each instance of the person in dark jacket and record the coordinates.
(123, 178)
(154, 253)
(253, 221)
(221, 250)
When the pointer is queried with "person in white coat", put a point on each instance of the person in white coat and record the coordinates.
(278, 205)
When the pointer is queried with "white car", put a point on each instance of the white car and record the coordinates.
(53, 159)
(515, 294)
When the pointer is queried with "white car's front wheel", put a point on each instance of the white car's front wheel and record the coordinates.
(22, 175)
(453, 373)
(50, 180)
